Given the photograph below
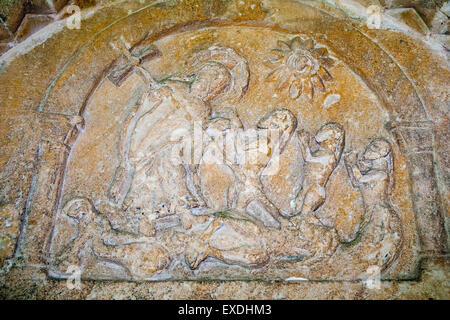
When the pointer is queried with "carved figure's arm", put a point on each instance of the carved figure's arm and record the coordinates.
(353, 171)
(304, 145)
(149, 101)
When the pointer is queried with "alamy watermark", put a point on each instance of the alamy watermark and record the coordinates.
(74, 20)
(235, 147)
(74, 279)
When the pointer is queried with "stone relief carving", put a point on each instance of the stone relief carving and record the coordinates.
(94, 245)
(247, 153)
(192, 176)
(371, 173)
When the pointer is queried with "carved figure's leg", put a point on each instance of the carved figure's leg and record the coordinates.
(217, 183)
(317, 240)
(313, 199)
(254, 202)
(237, 246)
(198, 249)
(140, 259)
(261, 210)
(176, 178)
(186, 197)
(120, 185)
(193, 183)
(231, 241)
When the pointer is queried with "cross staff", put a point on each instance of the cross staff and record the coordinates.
(131, 59)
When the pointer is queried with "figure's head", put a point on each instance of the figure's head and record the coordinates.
(280, 119)
(210, 80)
(331, 134)
(377, 149)
(221, 75)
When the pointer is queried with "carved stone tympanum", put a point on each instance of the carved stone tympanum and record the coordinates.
(246, 140)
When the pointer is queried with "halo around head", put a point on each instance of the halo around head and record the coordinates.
(231, 60)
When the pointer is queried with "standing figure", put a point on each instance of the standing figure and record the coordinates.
(381, 226)
(151, 175)
(218, 181)
(260, 153)
(317, 240)
(320, 164)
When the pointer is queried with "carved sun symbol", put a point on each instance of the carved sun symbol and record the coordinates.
(300, 67)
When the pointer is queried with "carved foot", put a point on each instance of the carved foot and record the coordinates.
(196, 252)
(120, 186)
(257, 210)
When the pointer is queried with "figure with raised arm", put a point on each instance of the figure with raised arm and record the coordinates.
(381, 230)
(151, 175)
(320, 164)
(317, 240)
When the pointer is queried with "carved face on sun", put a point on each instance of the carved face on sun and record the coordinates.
(301, 68)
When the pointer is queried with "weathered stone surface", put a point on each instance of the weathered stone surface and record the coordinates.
(12, 15)
(46, 6)
(410, 17)
(244, 140)
(30, 24)
(4, 32)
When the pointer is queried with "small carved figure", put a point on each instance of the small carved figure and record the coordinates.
(236, 157)
(320, 164)
(317, 240)
(380, 227)
(279, 126)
